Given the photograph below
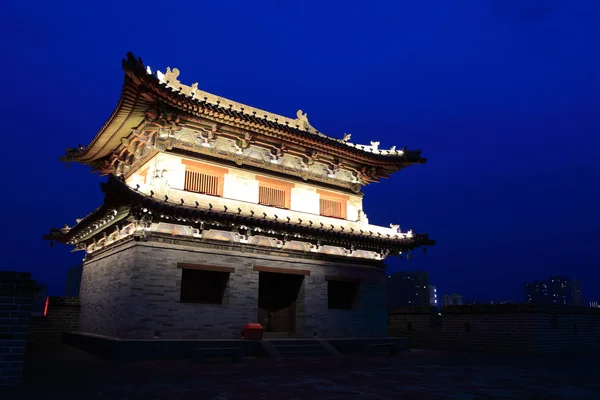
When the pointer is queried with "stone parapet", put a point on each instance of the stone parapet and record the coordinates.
(62, 315)
(133, 291)
(520, 309)
(501, 328)
(16, 297)
(414, 310)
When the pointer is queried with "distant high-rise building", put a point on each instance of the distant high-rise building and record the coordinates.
(595, 304)
(408, 289)
(554, 290)
(536, 292)
(452, 300)
(73, 281)
(433, 300)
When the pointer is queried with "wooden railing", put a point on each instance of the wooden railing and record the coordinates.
(331, 208)
(201, 183)
(272, 196)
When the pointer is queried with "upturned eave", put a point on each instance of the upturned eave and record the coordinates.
(143, 93)
(119, 196)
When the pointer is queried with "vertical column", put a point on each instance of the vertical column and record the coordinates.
(16, 296)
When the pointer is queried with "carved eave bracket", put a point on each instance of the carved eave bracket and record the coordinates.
(334, 167)
(207, 136)
(369, 174)
(309, 159)
(242, 143)
(164, 117)
(276, 153)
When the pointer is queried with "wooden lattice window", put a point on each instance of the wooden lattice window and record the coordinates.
(271, 196)
(203, 178)
(331, 208)
(274, 193)
(201, 183)
(332, 204)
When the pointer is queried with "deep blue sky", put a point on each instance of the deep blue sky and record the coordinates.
(503, 97)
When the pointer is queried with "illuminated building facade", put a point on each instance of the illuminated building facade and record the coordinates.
(217, 214)
(409, 288)
(433, 297)
(73, 283)
(554, 290)
(453, 299)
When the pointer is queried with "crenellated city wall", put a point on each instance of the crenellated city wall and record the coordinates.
(500, 328)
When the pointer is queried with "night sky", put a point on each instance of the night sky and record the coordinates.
(502, 96)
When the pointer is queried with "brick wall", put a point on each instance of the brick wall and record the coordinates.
(132, 290)
(106, 290)
(502, 328)
(16, 297)
(62, 316)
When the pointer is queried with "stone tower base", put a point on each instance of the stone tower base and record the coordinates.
(133, 290)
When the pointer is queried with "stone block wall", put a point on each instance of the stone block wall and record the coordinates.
(133, 291)
(501, 328)
(62, 315)
(16, 297)
(577, 332)
(370, 320)
(105, 291)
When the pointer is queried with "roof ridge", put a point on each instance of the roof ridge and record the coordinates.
(170, 78)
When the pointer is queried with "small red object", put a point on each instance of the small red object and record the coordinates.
(46, 305)
(253, 332)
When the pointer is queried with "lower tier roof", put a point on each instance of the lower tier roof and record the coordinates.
(122, 203)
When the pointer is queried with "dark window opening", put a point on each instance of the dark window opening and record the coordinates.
(343, 295)
(575, 328)
(467, 327)
(206, 287)
(409, 326)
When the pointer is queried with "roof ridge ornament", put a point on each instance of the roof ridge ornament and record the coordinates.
(171, 79)
(171, 76)
(303, 119)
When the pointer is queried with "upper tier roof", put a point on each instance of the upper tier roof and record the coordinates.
(143, 92)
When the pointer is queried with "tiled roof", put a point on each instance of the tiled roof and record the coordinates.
(134, 67)
(145, 88)
(119, 194)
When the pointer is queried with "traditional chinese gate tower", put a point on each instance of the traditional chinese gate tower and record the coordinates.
(217, 214)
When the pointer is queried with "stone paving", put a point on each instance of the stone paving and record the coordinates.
(62, 372)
